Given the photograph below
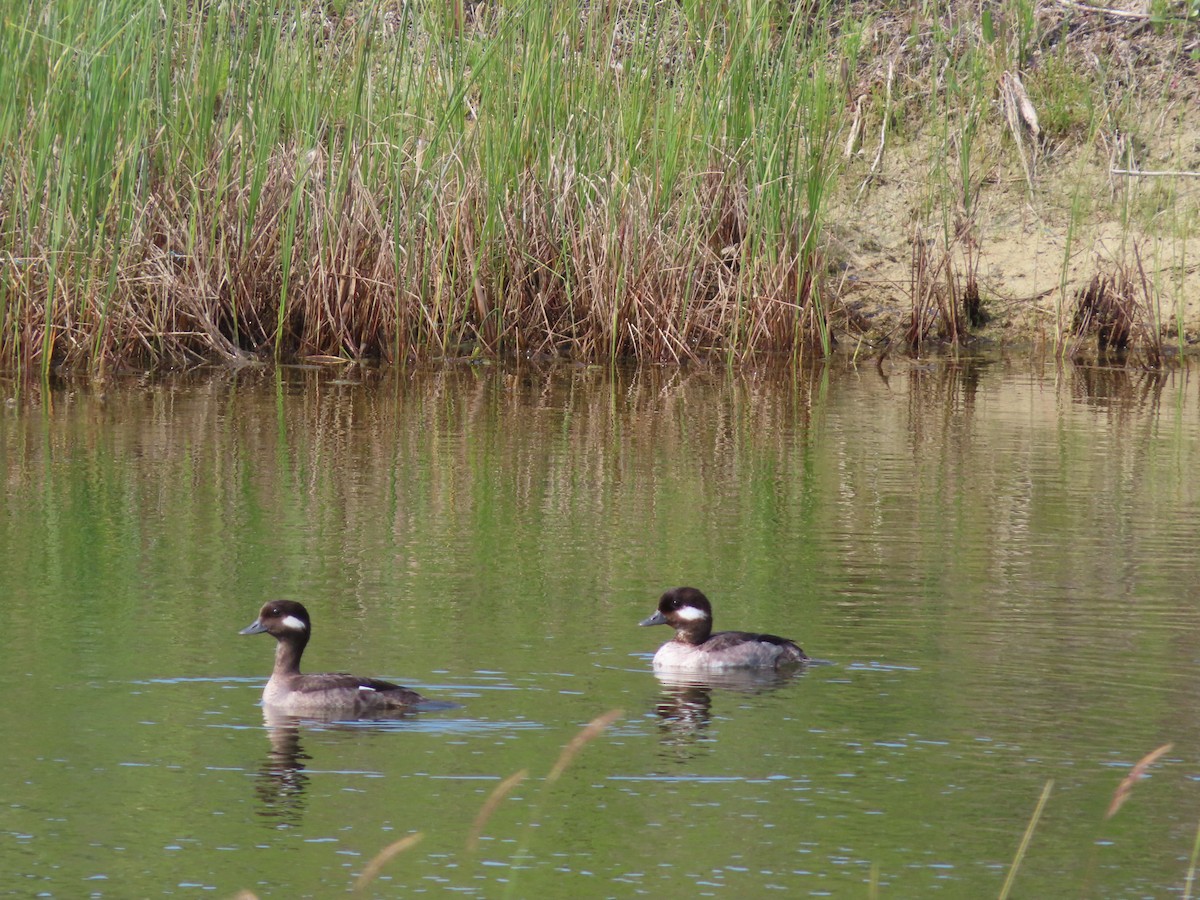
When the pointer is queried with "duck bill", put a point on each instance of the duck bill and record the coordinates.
(255, 627)
(656, 619)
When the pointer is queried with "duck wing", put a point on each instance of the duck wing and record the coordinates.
(362, 693)
(728, 639)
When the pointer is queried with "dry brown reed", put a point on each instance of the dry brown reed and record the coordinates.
(590, 732)
(1125, 788)
(609, 281)
(1119, 305)
(943, 300)
(297, 182)
(494, 799)
(383, 857)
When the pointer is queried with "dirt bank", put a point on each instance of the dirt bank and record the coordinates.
(1045, 211)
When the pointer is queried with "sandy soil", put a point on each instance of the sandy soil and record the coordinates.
(1032, 257)
(1036, 246)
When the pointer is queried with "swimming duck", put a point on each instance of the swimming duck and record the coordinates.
(695, 648)
(291, 692)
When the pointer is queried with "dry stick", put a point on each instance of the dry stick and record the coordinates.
(1155, 173)
(1025, 839)
(1021, 116)
(855, 128)
(502, 790)
(887, 114)
(382, 857)
(1114, 13)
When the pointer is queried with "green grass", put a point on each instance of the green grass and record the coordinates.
(600, 180)
(392, 180)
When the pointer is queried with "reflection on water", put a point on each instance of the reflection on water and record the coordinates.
(1001, 559)
(281, 780)
(1120, 387)
(685, 704)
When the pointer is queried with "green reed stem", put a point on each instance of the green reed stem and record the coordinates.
(1191, 870)
(1026, 838)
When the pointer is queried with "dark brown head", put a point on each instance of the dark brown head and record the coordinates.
(686, 610)
(283, 620)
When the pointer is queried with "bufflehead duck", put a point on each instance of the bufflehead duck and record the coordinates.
(290, 692)
(696, 648)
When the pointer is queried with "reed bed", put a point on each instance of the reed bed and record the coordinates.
(393, 180)
(598, 180)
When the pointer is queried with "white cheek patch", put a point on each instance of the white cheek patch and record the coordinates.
(690, 614)
(292, 623)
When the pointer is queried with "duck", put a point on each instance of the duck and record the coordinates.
(293, 693)
(695, 648)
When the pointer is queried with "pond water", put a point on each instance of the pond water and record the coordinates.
(997, 561)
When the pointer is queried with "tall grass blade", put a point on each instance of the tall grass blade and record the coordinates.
(1191, 871)
(1025, 840)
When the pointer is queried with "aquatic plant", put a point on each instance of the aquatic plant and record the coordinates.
(626, 180)
(202, 180)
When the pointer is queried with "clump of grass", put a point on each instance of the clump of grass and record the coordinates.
(945, 301)
(925, 292)
(1063, 98)
(1104, 307)
(630, 180)
(1120, 306)
(292, 179)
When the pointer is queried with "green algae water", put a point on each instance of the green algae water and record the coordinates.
(998, 565)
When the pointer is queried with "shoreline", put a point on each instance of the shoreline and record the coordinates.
(655, 184)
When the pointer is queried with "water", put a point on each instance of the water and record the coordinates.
(998, 562)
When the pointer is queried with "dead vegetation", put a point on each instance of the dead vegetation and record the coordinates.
(944, 291)
(323, 244)
(1007, 128)
(1120, 307)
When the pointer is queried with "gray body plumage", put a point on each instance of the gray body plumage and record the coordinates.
(695, 648)
(729, 650)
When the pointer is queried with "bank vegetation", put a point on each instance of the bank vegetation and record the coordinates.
(192, 181)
